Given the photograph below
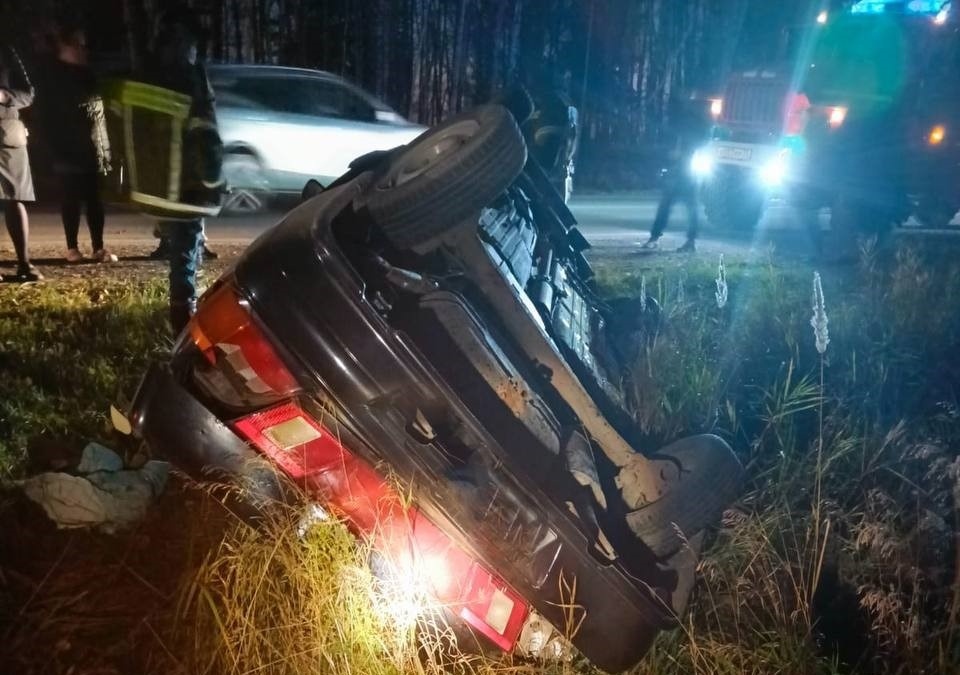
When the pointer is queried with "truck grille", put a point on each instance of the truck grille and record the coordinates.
(755, 103)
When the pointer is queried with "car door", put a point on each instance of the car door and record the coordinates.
(289, 136)
(352, 127)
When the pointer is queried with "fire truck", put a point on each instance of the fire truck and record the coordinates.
(864, 119)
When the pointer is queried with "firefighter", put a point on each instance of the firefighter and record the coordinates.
(175, 66)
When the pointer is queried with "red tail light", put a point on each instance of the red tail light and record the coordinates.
(242, 368)
(313, 456)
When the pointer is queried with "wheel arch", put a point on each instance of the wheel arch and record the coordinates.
(243, 148)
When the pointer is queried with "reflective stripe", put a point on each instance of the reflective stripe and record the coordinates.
(180, 207)
(195, 123)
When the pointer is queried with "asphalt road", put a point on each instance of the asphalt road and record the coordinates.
(618, 222)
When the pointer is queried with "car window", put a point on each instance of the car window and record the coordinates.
(228, 98)
(335, 99)
(288, 95)
(298, 95)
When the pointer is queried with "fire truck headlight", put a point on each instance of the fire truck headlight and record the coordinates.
(937, 135)
(701, 165)
(838, 115)
(774, 172)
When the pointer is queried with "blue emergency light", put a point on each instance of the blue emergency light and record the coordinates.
(922, 7)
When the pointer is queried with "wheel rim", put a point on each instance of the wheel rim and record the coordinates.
(250, 194)
(424, 155)
(243, 201)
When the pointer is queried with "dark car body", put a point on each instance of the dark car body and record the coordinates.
(351, 367)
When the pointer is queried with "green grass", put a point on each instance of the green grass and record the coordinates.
(841, 554)
(840, 557)
(67, 351)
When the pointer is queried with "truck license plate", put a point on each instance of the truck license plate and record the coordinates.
(734, 153)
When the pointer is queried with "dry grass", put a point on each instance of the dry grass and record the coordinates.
(841, 557)
(279, 599)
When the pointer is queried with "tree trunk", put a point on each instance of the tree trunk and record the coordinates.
(135, 18)
(456, 80)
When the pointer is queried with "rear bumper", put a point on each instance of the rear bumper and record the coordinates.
(614, 635)
(170, 419)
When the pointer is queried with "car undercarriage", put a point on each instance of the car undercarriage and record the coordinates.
(433, 310)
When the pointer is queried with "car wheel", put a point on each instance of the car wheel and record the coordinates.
(731, 202)
(710, 478)
(446, 175)
(249, 188)
(935, 213)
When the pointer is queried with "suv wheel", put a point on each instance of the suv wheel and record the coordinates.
(249, 190)
(935, 212)
(710, 478)
(446, 175)
(731, 202)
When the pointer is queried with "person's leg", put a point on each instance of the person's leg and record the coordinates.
(70, 213)
(810, 217)
(162, 251)
(184, 239)
(689, 196)
(693, 211)
(95, 214)
(206, 250)
(664, 209)
(18, 226)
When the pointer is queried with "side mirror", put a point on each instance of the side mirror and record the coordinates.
(311, 189)
(387, 117)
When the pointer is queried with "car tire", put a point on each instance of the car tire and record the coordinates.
(249, 189)
(730, 202)
(710, 479)
(935, 213)
(445, 176)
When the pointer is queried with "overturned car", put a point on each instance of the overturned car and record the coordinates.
(426, 325)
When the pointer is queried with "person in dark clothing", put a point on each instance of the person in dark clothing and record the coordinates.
(175, 66)
(549, 124)
(16, 181)
(73, 116)
(552, 131)
(689, 129)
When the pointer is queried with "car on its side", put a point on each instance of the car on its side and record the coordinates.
(419, 347)
(282, 126)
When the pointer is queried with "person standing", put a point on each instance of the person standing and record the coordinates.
(16, 181)
(73, 116)
(552, 133)
(689, 129)
(175, 66)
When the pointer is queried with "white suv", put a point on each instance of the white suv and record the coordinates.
(282, 126)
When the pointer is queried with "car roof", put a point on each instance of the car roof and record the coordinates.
(251, 69)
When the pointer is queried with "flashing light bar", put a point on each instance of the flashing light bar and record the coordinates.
(924, 7)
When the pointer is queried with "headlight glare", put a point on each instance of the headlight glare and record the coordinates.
(701, 164)
(774, 172)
